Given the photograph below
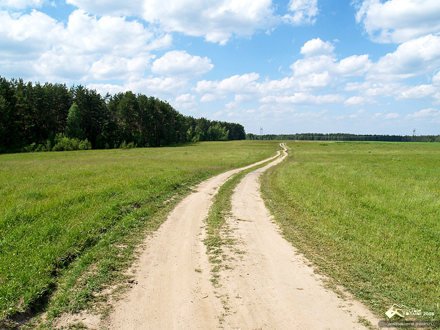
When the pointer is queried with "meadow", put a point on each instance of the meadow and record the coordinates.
(367, 215)
(70, 221)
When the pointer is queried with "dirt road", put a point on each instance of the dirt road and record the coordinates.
(269, 286)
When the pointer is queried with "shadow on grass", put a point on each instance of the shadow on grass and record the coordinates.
(21, 319)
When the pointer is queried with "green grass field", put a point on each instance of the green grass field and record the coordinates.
(368, 214)
(70, 216)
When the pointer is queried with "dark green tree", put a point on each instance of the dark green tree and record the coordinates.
(73, 123)
(217, 133)
(9, 119)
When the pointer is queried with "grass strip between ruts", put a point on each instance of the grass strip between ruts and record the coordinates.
(216, 229)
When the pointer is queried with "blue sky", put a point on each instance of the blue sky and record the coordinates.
(362, 66)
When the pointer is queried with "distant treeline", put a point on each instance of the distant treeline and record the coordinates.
(40, 116)
(345, 137)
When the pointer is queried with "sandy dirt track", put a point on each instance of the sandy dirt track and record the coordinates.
(270, 286)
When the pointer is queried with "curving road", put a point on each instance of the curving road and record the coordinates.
(267, 286)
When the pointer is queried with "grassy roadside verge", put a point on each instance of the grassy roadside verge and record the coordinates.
(367, 215)
(69, 221)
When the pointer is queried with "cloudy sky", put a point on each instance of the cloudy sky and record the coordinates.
(362, 66)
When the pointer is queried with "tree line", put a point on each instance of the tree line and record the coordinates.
(40, 116)
(345, 137)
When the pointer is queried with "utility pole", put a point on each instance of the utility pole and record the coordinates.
(261, 130)
(414, 134)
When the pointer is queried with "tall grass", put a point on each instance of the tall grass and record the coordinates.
(55, 208)
(367, 214)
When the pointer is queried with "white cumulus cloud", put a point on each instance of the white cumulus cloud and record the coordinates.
(184, 101)
(86, 47)
(320, 58)
(181, 64)
(216, 20)
(115, 67)
(109, 7)
(316, 47)
(29, 35)
(115, 35)
(431, 115)
(103, 89)
(418, 56)
(358, 101)
(163, 88)
(211, 97)
(354, 65)
(372, 89)
(398, 21)
(436, 79)
(303, 12)
(304, 98)
(418, 92)
(313, 65)
(393, 115)
(22, 4)
(235, 84)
